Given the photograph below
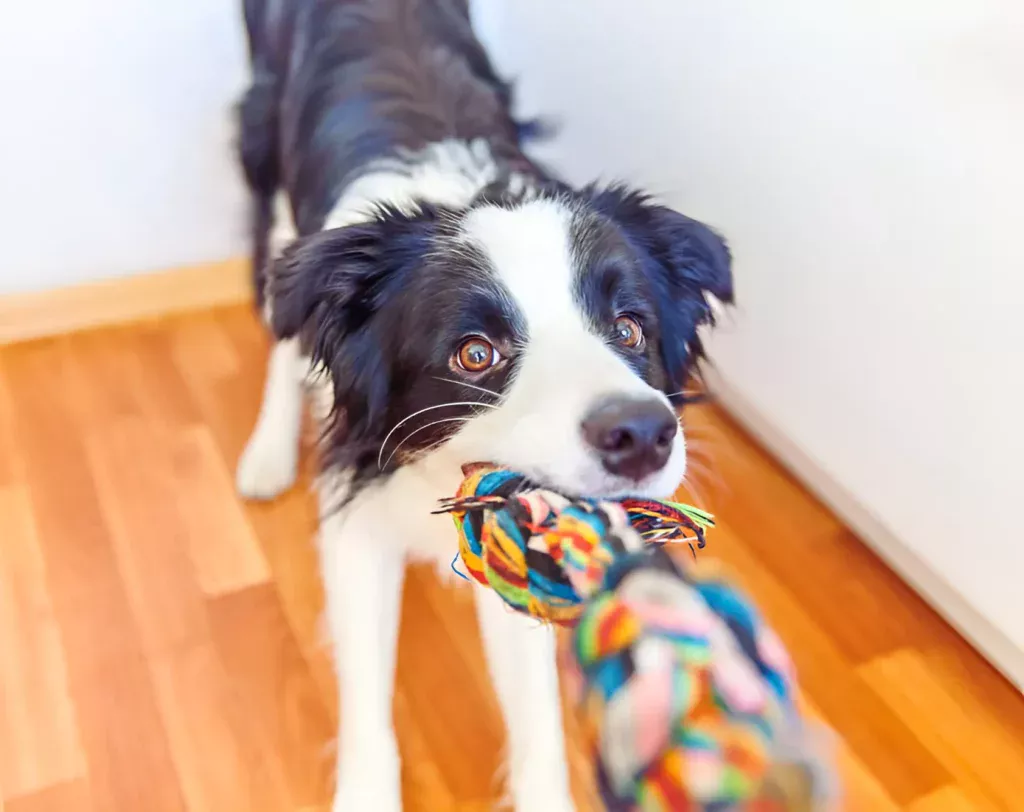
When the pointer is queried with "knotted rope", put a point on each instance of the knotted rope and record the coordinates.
(688, 695)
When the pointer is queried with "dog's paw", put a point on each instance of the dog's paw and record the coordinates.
(269, 464)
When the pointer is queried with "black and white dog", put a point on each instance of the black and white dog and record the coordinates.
(443, 301)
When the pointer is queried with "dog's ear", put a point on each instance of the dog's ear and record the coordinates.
(316, 281)
(329, 285)
(691, 268)
(332, 289)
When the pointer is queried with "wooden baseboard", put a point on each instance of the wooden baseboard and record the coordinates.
(987, 638)
(25, 316)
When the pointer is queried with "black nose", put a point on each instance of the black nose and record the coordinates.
(632, 436)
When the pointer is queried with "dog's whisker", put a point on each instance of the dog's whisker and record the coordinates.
(687, 393)
(468, 385)
(407, 418)
(421, 428)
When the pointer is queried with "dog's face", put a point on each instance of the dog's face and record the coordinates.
(551, 336)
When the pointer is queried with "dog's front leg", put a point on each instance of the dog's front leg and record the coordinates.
(270, 461)
(521, 658)
(363, 577)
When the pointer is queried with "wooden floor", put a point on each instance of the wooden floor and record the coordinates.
(160, 642)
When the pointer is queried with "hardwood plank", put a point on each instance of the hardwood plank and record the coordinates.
(947, 799)
(282, 700)
(866, 608)
(220, 763)
(10, 455)
(286, 529)
(128, 762)
(858, 787)
(975, 683)
(132, 466)
(128, 372)
(439, 648)
(985, 757)
(287, 526)
(200, 347)
(876, 734)
(424, 787)
(220, 757)
(227, 400)
(67, 796)
(104, 368)
(39, 742)
(247, 334)
(139, 378)
(225, 552)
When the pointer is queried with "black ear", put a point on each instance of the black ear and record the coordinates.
(696, 256)
(689, 263)
(698, 265)
(330, 285)
(338, 291)
(318, 279)
(326, 289)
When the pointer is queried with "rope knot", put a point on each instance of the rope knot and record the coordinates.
(688, 694)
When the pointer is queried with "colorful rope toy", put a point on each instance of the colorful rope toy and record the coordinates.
(688, 695)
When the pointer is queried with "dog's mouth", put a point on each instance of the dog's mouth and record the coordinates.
(527, 480)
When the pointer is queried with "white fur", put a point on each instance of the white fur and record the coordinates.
(269, 464)
(449, 173)
(270, 461)
(363, 570)
(521, 660)
(565, 369)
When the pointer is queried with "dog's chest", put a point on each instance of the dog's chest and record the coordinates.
(398, 512)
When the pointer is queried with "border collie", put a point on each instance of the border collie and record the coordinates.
(443, 301)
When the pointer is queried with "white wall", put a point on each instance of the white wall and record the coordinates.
(115, 138)
(866, 160)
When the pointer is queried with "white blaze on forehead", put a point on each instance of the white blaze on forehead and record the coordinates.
(530, 250)
(566, 368)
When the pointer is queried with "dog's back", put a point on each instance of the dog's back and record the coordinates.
(341, 84)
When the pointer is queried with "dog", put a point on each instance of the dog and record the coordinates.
(442, 300)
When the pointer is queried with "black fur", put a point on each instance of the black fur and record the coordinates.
(340, 84)
(670, 263)
(257, 148)
(381, 306)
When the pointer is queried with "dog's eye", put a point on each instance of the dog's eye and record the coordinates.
(628, 332)
(476, 354)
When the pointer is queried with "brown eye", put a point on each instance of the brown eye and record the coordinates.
(628, 331)
(476, 354)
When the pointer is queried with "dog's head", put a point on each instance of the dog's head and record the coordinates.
(551, 335)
